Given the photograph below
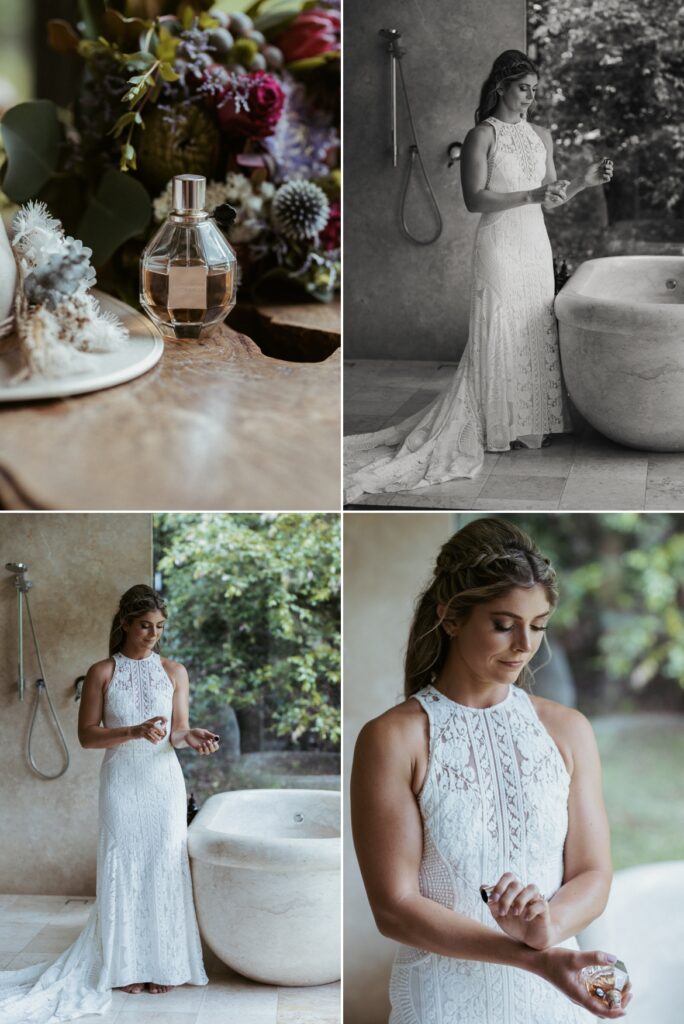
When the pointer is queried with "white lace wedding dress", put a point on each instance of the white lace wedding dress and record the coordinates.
(508, 383)
(494, 800)
(142, 926)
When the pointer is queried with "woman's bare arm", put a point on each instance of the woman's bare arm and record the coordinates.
(94, 736)
(202, 741)
(587, 863)
(388, 839)
(477, 197)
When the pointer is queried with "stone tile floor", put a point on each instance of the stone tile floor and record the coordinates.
(37, 928)
(583, 471)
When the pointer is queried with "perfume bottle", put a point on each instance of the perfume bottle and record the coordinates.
(606, 982)
(188, 270)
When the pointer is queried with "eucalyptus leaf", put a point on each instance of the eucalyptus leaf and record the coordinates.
(119, 210)
(31, 137)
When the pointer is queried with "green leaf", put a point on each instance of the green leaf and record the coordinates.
(119, 210)
(128, 118)
(31, 137)
(167, 72)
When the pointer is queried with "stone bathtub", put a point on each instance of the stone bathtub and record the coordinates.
(621, 326)
(266, 877)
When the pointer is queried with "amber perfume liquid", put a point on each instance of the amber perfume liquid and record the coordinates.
(606, 982)
(199, 296)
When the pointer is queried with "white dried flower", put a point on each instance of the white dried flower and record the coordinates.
(36, 235)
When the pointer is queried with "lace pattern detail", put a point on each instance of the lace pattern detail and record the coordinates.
(494, 800)
(508, 384)
(143, 925)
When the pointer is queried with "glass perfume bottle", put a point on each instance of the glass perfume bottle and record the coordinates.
(606, 982)
(188, 270)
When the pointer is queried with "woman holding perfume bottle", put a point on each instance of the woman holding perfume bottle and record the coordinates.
(142, 930)
(507, 391)
(477, 810)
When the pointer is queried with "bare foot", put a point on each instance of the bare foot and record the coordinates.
(156, 989)
(137, 987)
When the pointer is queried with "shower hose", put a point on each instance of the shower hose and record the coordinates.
(415, 154)
(41, 686)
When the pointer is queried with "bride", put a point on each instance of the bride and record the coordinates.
(507, 391)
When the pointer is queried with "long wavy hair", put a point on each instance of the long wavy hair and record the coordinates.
(134, 603)
(483, 561)
(509, 66)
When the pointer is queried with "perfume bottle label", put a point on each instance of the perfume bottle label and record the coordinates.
(187, 288)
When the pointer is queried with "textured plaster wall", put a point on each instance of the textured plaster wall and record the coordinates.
(388, 557)
(406, 301)
(80, 565)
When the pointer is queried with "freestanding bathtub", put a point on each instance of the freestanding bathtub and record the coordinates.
(266, 876)
(621, 326)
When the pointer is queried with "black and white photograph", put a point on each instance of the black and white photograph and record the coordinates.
(513, 239)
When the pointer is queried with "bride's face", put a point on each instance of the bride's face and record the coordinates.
(146, 630)
(501, 636)
(518, 95)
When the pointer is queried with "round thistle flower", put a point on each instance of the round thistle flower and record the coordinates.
(299, 210)
(179, 141)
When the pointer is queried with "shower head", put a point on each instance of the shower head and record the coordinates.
(19, 569)
(392, 35)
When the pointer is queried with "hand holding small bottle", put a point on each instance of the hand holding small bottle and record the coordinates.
(563, 968)
(522, 911)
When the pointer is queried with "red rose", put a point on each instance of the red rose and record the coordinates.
(330, 235)
(251, 105)
(310, 34)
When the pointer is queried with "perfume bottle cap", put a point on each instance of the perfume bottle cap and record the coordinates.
(188, 193)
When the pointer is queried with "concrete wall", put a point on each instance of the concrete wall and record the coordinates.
(388, 557)
(80, 565)
(406, 301)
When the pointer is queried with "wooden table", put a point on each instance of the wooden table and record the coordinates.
(215, 425)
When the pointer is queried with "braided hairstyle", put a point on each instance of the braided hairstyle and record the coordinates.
(509, 66)
(134, 603)
(483, 561)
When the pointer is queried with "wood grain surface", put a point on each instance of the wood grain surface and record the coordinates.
(215, 425)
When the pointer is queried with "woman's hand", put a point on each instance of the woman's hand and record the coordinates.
(561, 967)
(203, 741)
(598, 173)
(554, 194)
(522, 912)
(150, 730)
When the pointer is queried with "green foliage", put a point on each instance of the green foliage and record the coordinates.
(254, 614)
(621, 610)
(612, 84)
(31, 138)
(120, 209)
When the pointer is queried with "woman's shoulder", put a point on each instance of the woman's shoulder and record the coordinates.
(543, 133)
(480, 134)
(402, 724)
(101, 669)
(174, 669)
(568, 727)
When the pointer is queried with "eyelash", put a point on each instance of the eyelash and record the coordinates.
(507, 629)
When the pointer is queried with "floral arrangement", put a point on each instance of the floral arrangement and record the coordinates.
(58, 323)
(248, 98)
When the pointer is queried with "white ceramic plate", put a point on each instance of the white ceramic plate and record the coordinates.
(140, 353)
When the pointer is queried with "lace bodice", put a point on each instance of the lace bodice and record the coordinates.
(494, 800)
(517, 159)
(139, 689)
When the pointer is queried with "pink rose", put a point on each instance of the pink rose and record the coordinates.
(330, 235)
(251, 105)
(310, 34)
